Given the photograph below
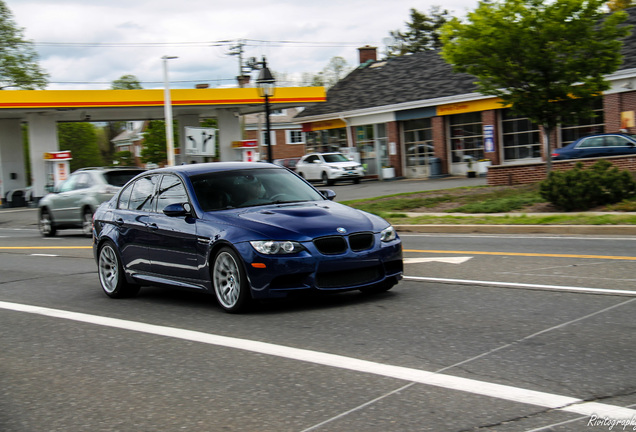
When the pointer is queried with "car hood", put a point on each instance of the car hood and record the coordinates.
(304, 221)
(343, 164)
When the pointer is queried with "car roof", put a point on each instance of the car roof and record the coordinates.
(626, 135)
(203, 168)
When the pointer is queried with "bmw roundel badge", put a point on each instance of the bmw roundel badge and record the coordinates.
(341, 230)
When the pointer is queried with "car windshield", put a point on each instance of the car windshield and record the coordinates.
(120, 177)
(251, 187)
(337, 157)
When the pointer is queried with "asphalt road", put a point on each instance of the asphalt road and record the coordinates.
(497, 333)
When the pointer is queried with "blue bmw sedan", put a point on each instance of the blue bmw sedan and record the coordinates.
(240, 231)
(600, 145)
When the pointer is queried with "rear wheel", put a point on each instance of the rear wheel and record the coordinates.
(111, 273)
(45, 224)
(230, 283)
(87, 222)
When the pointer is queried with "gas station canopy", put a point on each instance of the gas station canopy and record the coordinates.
(106, 105)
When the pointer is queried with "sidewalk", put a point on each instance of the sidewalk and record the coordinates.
(517, 229)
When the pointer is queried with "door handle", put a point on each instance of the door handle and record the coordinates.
(153, 226)
(119, 222)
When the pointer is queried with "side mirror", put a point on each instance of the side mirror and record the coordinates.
(178, 209)
(328, 193)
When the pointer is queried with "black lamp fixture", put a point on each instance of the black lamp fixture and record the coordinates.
(266, 84)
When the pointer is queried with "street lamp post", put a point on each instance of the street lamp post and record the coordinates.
(266, 84)
(167, 108)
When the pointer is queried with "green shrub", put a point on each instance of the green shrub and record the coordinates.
(582, 189)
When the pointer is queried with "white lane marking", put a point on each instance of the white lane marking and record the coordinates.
(524, 285)
(447, 260)
(43, 255)
(498, 391)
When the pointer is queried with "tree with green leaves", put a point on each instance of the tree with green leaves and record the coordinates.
(81, 140)
(126, 82)
(18, 59)
(422, 33)
(155, 145)
(546, 60)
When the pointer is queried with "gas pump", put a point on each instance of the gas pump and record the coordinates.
(57, 168)
(248, 150)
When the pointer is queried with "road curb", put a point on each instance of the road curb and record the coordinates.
(521, 229)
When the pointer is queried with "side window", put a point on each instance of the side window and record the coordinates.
(617, 141)
(171, 191)
(592, 142)
(69, 184)
(83, 181)
(124, 198)
(142, 195)
(311, 159)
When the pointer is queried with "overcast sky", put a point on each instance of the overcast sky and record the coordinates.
(88, 44)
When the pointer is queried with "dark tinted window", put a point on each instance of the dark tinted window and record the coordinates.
(142, 196)
(124, 198)
(120, 177)
(220, 190)
(171, 191)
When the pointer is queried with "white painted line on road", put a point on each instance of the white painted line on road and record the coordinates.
(447, 260)
(498, 391)
(616, 292)
(43, 255)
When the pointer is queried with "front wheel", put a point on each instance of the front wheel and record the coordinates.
(380, 288)
(230, 283)
(111, 273)
(87, 223)
(325, 179)
(45, 224)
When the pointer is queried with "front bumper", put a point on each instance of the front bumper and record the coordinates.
(310, 270)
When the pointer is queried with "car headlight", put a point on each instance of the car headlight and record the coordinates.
(388, 234)
(273, 247)
(335, 168)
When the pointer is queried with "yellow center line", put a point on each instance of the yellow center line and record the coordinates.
(608, 257)
(44, 247)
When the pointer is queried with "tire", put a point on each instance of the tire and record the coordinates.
(46, 224)
(230, 282)
(380, 288)
(356, 180)
(325, 179)
(111, 273)
(87, 222)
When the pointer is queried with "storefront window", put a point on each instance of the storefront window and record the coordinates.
(585, 126)
(365, 146)
(521, 138)
(324, 141)
(466, 137)
(418, 141)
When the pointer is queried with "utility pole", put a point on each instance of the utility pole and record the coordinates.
(237, 50)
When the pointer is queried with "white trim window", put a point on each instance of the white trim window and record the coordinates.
(295, 136)
(272, 137)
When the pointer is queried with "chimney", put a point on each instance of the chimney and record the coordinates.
(243, 80)
(368, 53)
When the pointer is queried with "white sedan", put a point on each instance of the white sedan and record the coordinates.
(329, 168)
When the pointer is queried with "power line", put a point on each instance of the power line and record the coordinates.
(248, 42)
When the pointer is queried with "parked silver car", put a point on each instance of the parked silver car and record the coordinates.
(73, 202)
